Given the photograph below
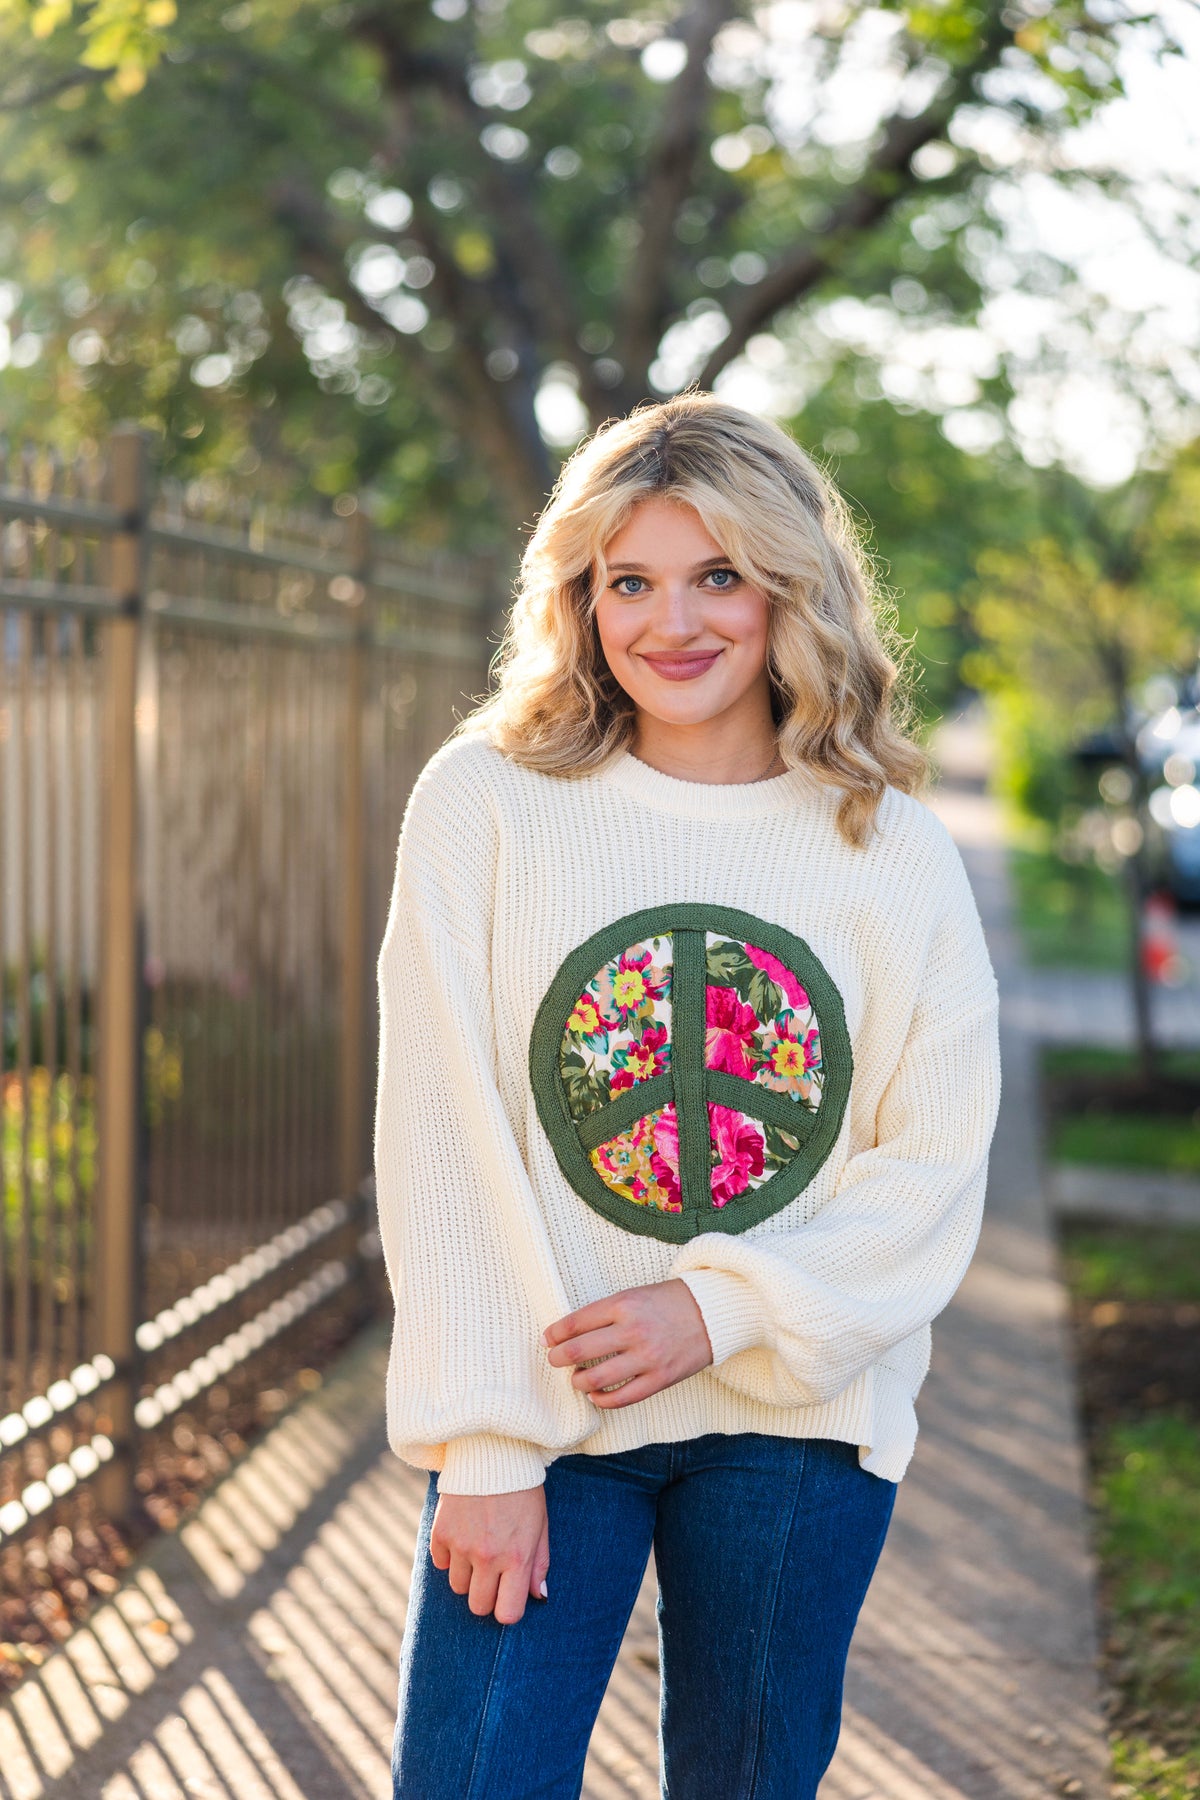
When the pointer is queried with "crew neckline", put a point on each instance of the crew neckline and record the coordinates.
(708, 799)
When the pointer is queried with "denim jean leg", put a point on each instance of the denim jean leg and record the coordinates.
(504, 1712)
(764, 1550)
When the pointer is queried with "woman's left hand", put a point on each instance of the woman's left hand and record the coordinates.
(650, 1338)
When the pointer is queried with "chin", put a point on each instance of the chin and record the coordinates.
(694, 715)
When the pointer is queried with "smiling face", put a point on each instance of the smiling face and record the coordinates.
(681, 630)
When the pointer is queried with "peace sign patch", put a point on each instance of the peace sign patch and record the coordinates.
(691, 1067)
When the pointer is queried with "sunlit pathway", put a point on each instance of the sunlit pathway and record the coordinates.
(253, 1656)
(973, 1670)
(1095, 1006)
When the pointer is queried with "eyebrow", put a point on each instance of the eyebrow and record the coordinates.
(711, 562)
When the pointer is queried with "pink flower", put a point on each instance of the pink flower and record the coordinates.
(664, 1158)
(781, 976)
(730, 1031)
(632, 1167)
(739, 1143)
(644, 1057)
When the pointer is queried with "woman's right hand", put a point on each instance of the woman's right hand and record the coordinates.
(496, 1547)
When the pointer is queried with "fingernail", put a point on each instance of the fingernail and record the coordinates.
(542, 1591)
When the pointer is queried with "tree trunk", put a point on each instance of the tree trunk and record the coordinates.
(1143, 1023)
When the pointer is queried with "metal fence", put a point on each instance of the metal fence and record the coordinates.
(210, 718)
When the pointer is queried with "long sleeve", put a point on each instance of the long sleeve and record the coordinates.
(470, 1392)
(796, 1314)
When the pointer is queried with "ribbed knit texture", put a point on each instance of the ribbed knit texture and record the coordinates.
(819, 1315)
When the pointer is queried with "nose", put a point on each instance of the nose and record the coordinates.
(676, 612)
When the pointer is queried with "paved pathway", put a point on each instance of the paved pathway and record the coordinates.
(972, 1672)
(252, 1657)
(1093, 1006)
(1139, 1196)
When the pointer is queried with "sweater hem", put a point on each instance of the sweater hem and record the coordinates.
(711, 1407)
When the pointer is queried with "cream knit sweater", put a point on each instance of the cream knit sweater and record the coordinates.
(634, 1027)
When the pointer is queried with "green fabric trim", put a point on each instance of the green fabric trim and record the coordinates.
(625, 1110)
(758, 1102)
(688, 983)
(690, 1084)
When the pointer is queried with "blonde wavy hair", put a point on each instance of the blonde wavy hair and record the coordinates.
(840, 695)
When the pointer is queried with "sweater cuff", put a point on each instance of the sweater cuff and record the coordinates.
(729, 1307)
(488, 1464)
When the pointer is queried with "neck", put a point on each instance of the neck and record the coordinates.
(739, 751)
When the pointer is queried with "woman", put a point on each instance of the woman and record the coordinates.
(688, 1076)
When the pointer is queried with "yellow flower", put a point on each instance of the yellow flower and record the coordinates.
(629, 986)
(585, 1017)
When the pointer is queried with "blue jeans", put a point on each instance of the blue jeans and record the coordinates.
(764, 1547)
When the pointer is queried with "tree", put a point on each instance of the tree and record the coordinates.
(355, 242)
(928, 511)
(1104, 595)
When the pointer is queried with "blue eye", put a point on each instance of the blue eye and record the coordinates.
(617, 584)
(733, 575)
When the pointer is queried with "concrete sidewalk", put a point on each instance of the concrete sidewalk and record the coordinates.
(252, 1656)
(973, 1670)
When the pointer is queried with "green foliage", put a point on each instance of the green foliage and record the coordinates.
(587, 1089)
(1115, 1141)
(1119, 1262)
(1032, 739)
(1146, 1496)
(1070, 915)
(344, 246)
(728, 966)
(1150, 1544)
(781, 1145)
(122, 38)
(927, 511)
(47, 1172)
(1145, 1771)
(1102, 594)
(1090, 1059)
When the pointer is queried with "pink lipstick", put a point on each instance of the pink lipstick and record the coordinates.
(682, 667)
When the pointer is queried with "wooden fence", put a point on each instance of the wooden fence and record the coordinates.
(210, 717)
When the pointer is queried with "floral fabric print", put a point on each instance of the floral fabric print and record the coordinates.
(642, 1164)
(760, 1022)
(759, 1025)
(691, 1068)
(619, 1031)
(744, 1152)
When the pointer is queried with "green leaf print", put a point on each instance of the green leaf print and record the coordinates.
(586, 1087)
(781, 1146)
(729, 966)
(763, 995)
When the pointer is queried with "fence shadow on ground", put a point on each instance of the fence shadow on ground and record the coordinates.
(253, 1655)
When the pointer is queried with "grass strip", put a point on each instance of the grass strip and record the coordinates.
(1106, 1130)
(1073, 916)
(1146, 1498)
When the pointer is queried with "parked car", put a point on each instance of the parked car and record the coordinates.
(1169, 747)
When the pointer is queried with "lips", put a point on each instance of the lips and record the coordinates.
(682, 668)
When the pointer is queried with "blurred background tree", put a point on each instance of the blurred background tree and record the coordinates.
(419, 249)
(1098, 597)
(413, 252)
